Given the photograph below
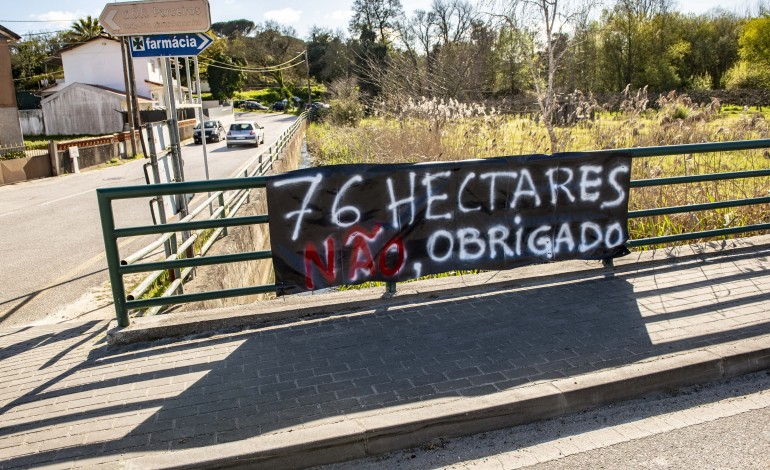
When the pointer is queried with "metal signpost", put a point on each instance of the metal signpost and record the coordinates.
(156, 17)
(164, 28)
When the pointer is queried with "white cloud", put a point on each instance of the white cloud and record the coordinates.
(59, 20)
(285, 16)
(339, 16)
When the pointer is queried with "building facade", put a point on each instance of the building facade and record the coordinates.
(10, 129)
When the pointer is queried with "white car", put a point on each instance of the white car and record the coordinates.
(245, 132)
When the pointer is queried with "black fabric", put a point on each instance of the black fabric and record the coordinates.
(349, 224)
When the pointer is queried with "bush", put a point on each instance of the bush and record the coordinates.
(346, 112)
(12, 155)
(745, 75)
(346, 103)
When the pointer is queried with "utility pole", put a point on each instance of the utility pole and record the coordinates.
(129, 101)
(135, 101)
(307, 66)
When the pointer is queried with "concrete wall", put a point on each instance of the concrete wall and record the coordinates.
(32, 122)
(221, 113)
(10, 129)
(80, 109)
(22, 169)
(244, 239)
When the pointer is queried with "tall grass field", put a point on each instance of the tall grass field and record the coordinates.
(431, 130)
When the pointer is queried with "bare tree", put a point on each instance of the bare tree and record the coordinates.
(546, 23)
(453, 19)
(378, 16)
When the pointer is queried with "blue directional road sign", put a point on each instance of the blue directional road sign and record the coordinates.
(169, 45)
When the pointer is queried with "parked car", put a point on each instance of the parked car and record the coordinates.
(254, 105)
(279, 105)
(318, 110)
(214, 130)
(245, 132)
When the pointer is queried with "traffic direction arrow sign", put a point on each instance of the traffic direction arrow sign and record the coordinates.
(156, 17)
(170, 45)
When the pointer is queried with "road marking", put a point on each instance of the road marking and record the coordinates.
(68, 197)
(48, 202)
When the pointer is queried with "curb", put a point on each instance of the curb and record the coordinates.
(370, 433)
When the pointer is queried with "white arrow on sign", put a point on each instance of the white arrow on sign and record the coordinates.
(205, 41)
(108, 20)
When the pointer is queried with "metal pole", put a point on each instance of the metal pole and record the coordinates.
(176, 154)
(159, 199)
(134, 99)
(129, 102)
(189, 82)
(203, 127)
(178, 80)
(200, 118)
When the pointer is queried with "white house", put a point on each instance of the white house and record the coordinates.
(95, 69)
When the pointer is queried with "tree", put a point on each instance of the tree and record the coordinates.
(271, 45)
(84, 29)
(752, 70)
(546, 22)
(29, 60)
(327, 55)
(378, 16)
(632, 42)
(224, 76)
(234, 28)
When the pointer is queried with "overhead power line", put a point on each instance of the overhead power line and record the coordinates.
(273, 68)
(36, 21)
(270, 68)
(247, 69)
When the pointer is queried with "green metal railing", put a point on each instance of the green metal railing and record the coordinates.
(125, 303)
(228, 206)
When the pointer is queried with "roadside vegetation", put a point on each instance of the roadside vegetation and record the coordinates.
(432, 130)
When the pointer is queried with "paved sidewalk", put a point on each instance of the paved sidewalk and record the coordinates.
(328, 387)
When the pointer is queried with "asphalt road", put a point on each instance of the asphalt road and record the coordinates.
(52, 264)
(719, 425)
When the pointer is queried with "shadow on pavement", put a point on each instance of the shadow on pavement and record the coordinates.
(285, 375)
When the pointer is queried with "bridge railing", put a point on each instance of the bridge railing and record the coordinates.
(223, 201)
(124, 303)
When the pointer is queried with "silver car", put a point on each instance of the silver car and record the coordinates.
(245, 132)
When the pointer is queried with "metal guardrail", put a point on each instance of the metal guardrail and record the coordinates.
(179, 267)
(221, 220)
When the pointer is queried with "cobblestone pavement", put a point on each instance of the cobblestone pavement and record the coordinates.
(68, 399)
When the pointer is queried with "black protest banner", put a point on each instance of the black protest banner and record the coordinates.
(349, 224)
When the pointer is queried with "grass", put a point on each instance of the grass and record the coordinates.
(425, 138)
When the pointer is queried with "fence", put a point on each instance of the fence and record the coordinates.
(123, 303)
(223, 207)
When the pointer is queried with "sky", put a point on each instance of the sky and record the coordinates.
(29, 16)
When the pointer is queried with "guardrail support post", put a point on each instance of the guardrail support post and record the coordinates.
(225, 211)
(113, 259)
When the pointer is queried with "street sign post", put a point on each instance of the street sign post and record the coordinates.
(156, 17)
(170, 45)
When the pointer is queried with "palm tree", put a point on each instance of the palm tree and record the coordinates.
(84, 29)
